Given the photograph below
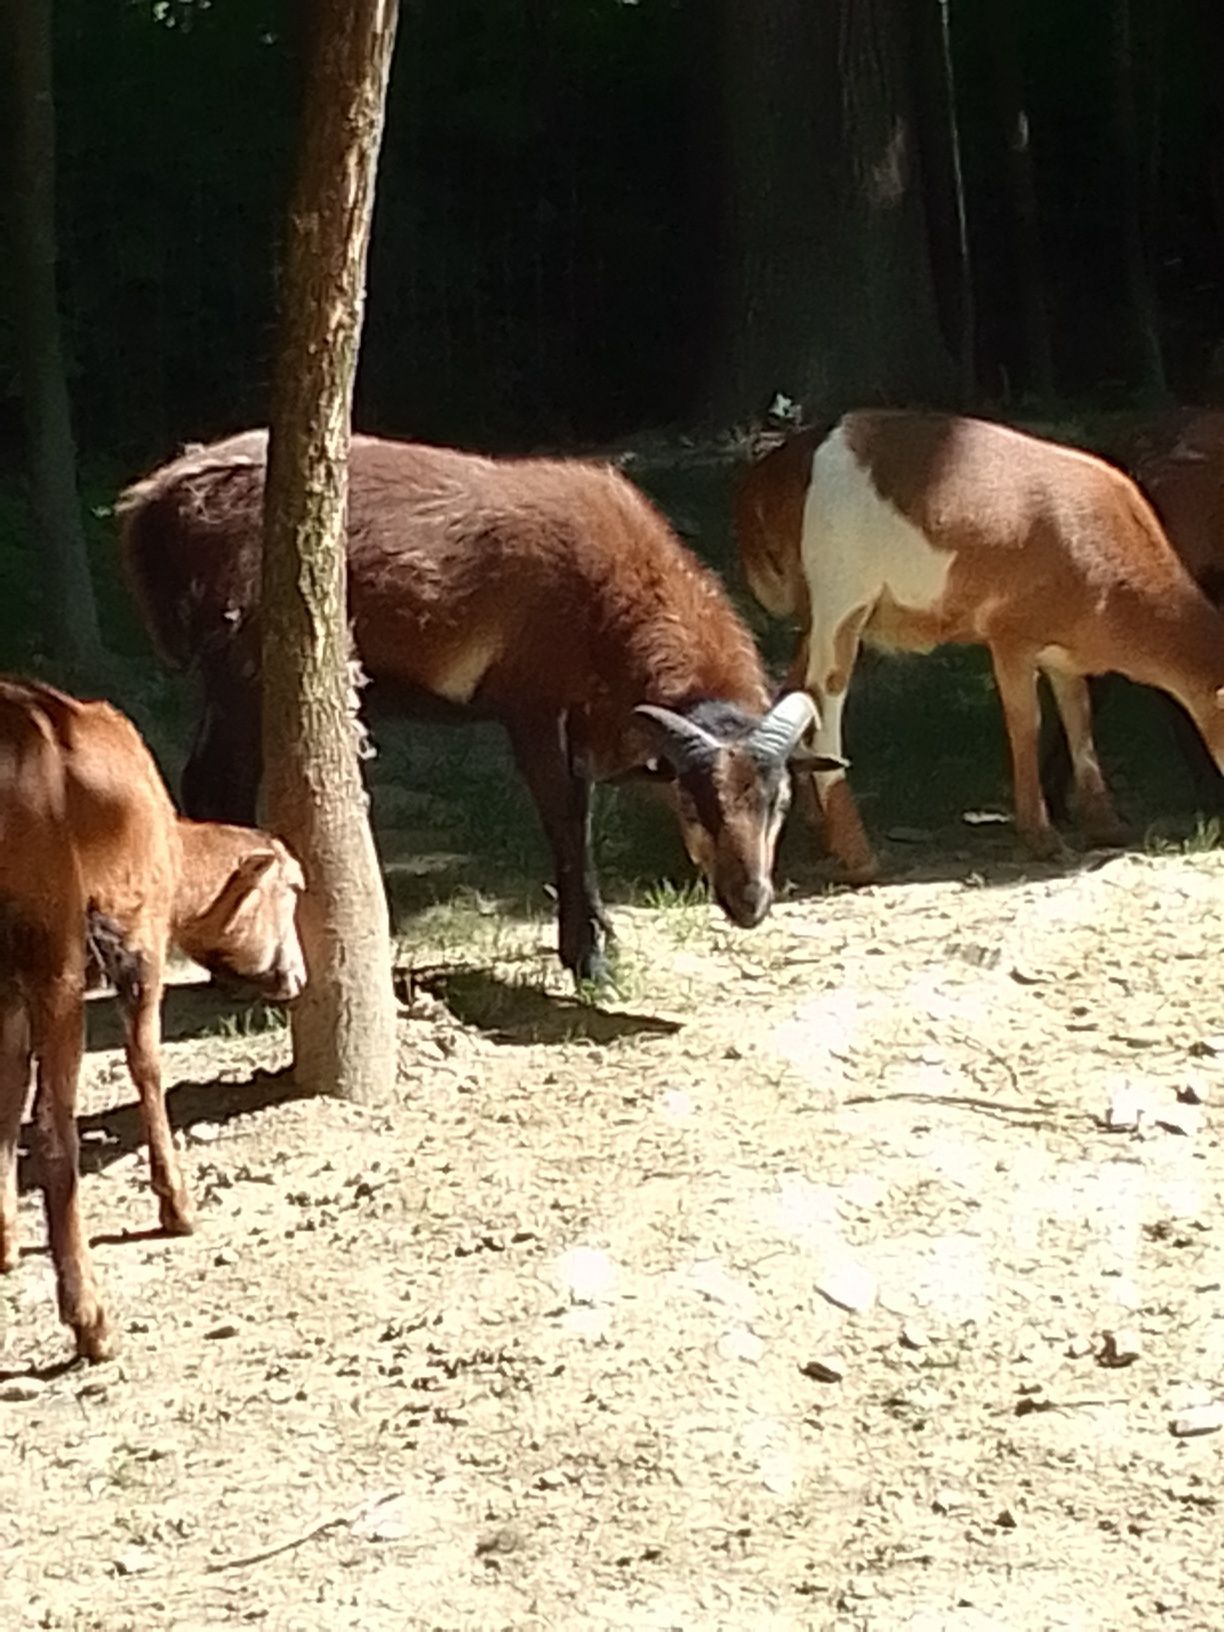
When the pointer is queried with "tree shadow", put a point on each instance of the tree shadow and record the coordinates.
(518, 1012)
(988, 856)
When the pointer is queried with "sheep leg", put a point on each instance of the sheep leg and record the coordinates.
(1206, 783)
(58, 1041)
(1091, 804)
(221, 778)
(14, 1090)
(828, 680)
(562, 797)
(803, 786)
(1016, 678)
(143, 1048)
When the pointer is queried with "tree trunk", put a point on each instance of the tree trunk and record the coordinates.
(71, 619)
(1141, 293)
(828, 293)
(938, 130)
(887, 287)
(344, 1025)
(1007, 74)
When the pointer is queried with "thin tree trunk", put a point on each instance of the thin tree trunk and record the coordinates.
(1030, 285)
(71, 619)
(1141, 293)
(937, 128)
(966, 338)
(344, 1025)
(1210, 18)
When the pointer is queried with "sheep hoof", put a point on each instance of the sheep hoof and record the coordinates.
(864, 871)
(592, 969)
(176, 1217)
(1103, 828)
(1045, 844)
(95, 1341)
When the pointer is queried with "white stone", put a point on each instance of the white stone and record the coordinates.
(586, 1274)
(1121, 1347)
(1126, 1110)
(741, 1343)
(1199, 1419)
(1184, 1119)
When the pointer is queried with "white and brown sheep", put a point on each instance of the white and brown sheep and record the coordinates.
(911, 530)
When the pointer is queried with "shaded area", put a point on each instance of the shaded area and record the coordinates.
(519, 1012)
(198, 1009)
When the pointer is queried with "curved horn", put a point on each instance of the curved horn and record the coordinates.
(779, 732)
(678, 739)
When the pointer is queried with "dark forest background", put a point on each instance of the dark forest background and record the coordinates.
(596, 217)
(600, 223)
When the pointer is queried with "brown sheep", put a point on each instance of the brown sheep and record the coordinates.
(546, 594)
(912, 530)
(98, 875)
(1177, 459)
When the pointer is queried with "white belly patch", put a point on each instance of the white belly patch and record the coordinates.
(462, 675)
(858, 547)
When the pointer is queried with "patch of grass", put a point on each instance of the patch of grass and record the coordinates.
(259, 1020)
(1206, 835)
(499, 927)
(684, 906)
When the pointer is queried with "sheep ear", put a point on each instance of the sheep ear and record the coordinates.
(242, 883)
(684, 744)
(779, 733)
(252, 868)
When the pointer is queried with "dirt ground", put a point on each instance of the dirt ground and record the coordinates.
(550, 1342)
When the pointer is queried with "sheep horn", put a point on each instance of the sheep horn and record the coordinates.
(677, 739)
(779, 732)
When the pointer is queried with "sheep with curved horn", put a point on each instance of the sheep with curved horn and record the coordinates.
(732, 789)
(546, 594)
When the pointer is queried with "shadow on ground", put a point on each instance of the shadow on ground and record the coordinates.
(512, 1011)
(189, 1010)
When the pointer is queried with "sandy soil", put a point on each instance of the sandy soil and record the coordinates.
(553, 1341)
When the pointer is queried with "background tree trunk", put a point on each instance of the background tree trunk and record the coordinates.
(1141, 292)
(900, 354)
(344, 1025)
(1007, 75)
(71, 619)
(937, 126)
(828, 293)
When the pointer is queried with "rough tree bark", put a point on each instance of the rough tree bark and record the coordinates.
(828, 292)
(71, 619)
(344, 1025)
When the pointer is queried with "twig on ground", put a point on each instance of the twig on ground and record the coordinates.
(336, 1522)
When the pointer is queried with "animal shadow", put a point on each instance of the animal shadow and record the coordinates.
(107, 1136)
(519, 1012)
